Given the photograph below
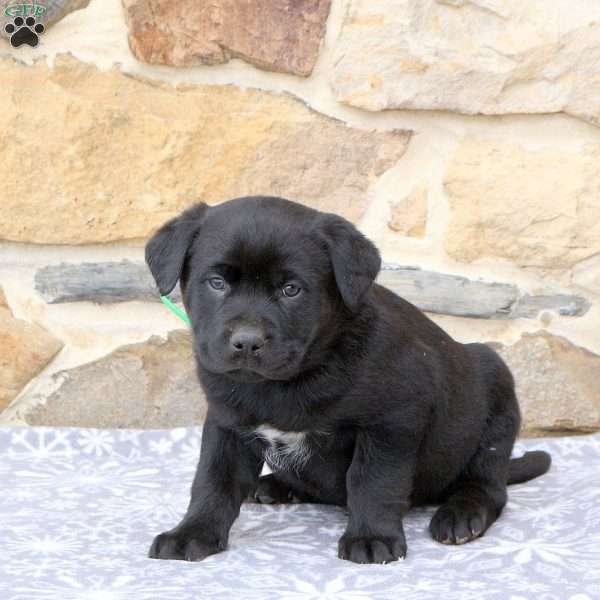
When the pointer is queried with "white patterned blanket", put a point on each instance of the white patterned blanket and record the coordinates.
(79, 509)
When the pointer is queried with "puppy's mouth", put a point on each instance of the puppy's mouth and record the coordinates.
(245, 376)
(255, 373)
(252, 369)
(255, 376)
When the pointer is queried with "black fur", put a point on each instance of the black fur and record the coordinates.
(395, 412)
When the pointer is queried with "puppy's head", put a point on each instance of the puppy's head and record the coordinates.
(264, 281)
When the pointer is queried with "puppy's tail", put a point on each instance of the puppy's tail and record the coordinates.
(530, 465)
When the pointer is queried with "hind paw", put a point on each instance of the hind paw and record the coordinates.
(455, 524)
(271, 490)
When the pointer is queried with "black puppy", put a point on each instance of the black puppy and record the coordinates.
(350, 394)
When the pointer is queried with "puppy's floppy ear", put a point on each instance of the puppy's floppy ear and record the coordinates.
(354, 258)
(167, 248)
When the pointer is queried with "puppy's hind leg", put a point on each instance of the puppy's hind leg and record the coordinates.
(479, 494)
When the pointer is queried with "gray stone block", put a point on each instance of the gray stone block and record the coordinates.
(103, 283)
(446, 294)
(433, 292)
(564, 304)
(449, 294)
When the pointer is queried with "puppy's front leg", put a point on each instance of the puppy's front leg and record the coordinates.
(228, 470)
(378, 483)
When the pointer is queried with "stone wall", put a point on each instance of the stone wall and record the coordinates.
(462, 136)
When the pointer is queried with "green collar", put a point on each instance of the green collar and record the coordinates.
(175, 309)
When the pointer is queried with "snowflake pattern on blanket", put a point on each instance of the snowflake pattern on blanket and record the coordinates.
(80, 507)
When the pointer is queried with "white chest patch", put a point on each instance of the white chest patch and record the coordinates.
(288, 450)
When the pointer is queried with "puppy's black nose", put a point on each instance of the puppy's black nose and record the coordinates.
(247, 339)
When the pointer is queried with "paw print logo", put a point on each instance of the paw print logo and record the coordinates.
(24, 31)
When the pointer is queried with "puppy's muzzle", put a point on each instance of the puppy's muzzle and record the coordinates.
(246, 341)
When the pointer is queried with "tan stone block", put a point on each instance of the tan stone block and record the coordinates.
(147, 385)
(25, 349)
(409, 215)
(557, 383)
(128, 154)
(538, 208)
(586, 274)
(471, 56)
(279, 36)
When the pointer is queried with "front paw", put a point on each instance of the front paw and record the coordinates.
(370, 550)
(184, 545)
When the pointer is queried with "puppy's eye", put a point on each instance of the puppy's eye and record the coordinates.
(291, 290)
(217, 283)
